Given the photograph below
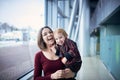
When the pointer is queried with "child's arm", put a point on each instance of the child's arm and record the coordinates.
(70, 51)
(73, 51)
(75, 63)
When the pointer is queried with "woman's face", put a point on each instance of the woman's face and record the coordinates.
(48, 37)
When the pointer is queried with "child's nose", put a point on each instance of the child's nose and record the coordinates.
(58, 40)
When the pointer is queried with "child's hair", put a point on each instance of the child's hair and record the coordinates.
(61, 31)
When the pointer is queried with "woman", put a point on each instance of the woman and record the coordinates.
(47, 61)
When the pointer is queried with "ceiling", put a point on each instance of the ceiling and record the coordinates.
(114, 18)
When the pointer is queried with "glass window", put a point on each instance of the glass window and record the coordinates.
(20, 21)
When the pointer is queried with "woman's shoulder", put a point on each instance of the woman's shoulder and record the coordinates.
(38, 54)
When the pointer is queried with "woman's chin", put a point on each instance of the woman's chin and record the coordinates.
(60, 44)
(51, 42)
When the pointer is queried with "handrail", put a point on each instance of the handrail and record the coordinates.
(27, 75)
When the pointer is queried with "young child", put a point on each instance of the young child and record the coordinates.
(68, 50)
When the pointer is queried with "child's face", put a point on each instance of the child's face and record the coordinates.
(59, 38)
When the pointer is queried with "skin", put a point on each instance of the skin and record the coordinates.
(59, 38)
(48, 37)
(50, 54)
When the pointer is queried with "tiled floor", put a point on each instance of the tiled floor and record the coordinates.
(93, 69)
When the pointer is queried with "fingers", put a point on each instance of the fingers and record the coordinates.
(68, 73)
(59, 74)
(67, 70)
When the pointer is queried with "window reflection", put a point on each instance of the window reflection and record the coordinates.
(20, 21)
(12, 35)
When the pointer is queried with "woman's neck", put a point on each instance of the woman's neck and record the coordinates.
(50, 46)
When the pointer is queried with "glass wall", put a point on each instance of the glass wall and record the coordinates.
(20, 22)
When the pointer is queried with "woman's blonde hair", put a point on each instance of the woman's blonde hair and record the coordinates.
(62, 31)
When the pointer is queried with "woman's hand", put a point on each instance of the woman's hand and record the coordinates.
(68, 73)
(64, 60)
(58, 74)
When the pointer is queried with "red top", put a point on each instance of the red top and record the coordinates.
(48, 67)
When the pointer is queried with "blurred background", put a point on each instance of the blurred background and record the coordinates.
(93, 24)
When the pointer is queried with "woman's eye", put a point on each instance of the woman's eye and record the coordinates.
(50, 32)
(44, 34)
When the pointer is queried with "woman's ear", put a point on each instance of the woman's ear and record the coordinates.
(67, 37)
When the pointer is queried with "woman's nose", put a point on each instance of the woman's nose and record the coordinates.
(49, 34)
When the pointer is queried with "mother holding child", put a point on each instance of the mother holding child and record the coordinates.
(54, 62)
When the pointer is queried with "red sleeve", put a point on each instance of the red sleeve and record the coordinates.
(75, 63)
(38, 69)
(73, 50)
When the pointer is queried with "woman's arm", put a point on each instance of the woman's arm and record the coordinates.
(38, 69)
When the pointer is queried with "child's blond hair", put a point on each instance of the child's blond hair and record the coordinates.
(62, 31)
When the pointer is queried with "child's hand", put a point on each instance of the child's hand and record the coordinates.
(64, 60)
(68, 73)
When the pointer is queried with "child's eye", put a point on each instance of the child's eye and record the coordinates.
(56, 39)
(60, 37)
